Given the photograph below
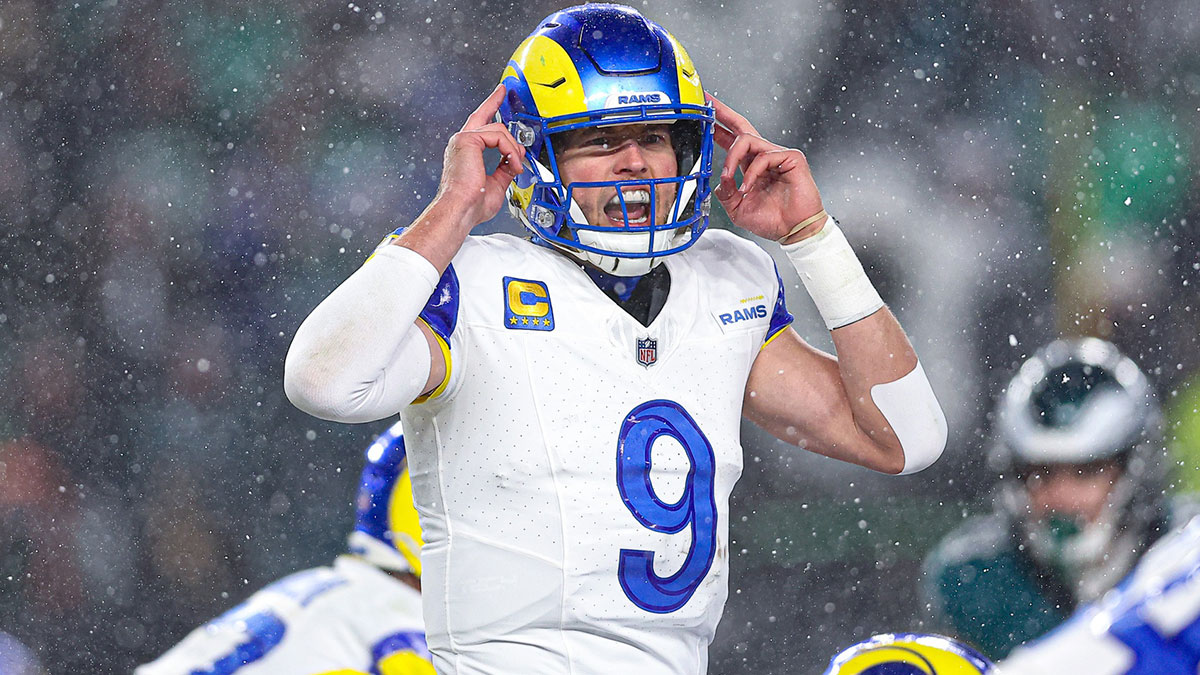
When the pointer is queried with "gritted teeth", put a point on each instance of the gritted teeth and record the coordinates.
(632, 197)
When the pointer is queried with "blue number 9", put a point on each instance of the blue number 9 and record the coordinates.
(696, 508)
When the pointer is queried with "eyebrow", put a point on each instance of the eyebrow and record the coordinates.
(623, 130)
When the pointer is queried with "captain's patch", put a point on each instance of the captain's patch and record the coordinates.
(527, 305)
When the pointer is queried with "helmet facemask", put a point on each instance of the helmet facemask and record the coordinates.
(633, 248)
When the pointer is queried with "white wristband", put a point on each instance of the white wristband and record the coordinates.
(833, 276)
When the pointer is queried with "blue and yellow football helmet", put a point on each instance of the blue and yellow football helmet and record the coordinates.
(599, 65)
(386, 532)
(910, 654)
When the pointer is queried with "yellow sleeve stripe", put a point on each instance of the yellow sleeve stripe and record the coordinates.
(446, 358)
(774, 335)
(386, 240)
(405, 663)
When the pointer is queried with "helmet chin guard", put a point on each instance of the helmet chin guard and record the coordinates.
(602, 65)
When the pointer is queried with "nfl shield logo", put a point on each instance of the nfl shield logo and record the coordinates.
(647, 351)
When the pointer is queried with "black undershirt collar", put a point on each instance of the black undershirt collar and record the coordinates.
(641, 297)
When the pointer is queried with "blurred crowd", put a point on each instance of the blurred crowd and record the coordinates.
(180, 182)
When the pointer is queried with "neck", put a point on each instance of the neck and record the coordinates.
(621, 287)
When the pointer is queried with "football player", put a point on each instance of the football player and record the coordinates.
(1082, 457)
(573, 400)
(361, 613)
(1148, 625)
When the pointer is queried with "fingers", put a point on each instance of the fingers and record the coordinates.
(494, 135)
(741, 152)
(778, 161)
(726, 192)
(730, 119)
(509, 168)
(741, 141)
(723, 137)
(486, 111)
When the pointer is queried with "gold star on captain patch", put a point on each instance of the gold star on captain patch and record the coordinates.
(513, 320)
(524, 321)
(545, 322)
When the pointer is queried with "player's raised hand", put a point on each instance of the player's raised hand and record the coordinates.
(466, 182)
(777, 191)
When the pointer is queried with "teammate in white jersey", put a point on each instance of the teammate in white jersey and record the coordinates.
(362, 613)
(1148, 625)
(573, 402)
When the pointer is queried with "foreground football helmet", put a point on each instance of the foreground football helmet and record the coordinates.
(386, 531)
(909, 654)
(1077, 402)
(597, 65)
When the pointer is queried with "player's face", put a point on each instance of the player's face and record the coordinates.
(625, 152)
(1079, 491)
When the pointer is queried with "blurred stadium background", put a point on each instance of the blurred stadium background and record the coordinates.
(180, 182)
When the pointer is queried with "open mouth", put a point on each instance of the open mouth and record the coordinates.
(637, 206)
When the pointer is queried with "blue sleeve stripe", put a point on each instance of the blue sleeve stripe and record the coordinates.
(441, 312)
(780, 318)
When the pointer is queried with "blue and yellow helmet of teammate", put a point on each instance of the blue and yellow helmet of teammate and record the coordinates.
(598, 65)
(910, 654)
(386, 531)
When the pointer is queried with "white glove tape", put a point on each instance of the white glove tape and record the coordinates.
(834, 277)
(911, 408)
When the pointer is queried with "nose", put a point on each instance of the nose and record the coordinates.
(630, 159)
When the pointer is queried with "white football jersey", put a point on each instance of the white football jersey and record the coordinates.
(1148, 625)
(573, 472)
(351, 616)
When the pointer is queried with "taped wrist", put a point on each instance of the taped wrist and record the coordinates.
(912, 410)
(833, 276)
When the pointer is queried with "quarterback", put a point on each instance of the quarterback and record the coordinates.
(572, 401)
(361, 613)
